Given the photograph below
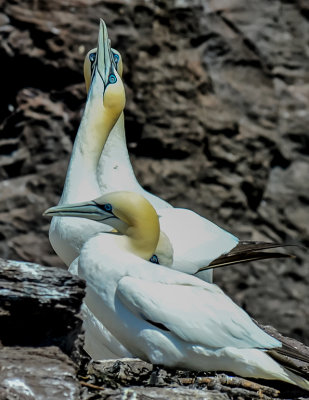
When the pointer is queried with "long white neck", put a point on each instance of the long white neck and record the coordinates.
(81, 179)
(114, 171)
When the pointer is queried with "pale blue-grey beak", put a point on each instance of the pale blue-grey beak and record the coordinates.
(88, 209)
(105, 59)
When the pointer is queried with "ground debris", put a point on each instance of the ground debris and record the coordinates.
(111, 377)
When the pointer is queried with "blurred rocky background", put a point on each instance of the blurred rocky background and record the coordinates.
(217, 120)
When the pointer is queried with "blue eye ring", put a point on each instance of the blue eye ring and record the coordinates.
(116, 58)
(154, 259)
(107, 207)
(92, 57)
(112, 79)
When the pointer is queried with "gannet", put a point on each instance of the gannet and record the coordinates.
(196, 242)
(105, 102)
(161, 315)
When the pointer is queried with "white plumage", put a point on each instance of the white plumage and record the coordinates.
(158, 314)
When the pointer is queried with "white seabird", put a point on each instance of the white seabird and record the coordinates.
(162, 315)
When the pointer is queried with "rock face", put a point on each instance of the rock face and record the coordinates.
(37, 374)
(216, 120)
(43, 303)
(40, 322)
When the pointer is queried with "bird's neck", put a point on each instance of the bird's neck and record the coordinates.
(81, 180)
(142, 235)
(114, 170)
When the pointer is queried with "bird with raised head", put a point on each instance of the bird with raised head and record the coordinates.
(100, 164)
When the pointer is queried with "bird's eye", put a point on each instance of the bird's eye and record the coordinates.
(112, 78)
(92, 57)
(116, 58)
(154, 259)
(107, 207)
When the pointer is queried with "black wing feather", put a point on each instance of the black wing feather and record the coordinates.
(248, 251)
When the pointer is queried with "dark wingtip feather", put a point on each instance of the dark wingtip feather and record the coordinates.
(246, 251)
(293, 354)
(293, 360)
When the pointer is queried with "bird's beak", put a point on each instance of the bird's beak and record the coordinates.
(88, 209)
(105, 58)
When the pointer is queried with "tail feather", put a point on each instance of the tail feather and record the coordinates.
(296, 379)
(293, 354)
(259, 364)
(292, 360)
(248, 251)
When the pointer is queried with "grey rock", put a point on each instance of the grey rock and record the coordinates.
(37, 374)
(40, 322)
(39, 306)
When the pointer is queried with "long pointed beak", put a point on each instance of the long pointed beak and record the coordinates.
(88, 209)
(104, 54)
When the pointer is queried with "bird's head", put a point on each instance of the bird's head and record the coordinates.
(89, 65)
(102, 72)
(128, 212)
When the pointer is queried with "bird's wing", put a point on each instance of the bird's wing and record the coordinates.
(203, 315)
(199, 244)
(248, 251)
(196, 241)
